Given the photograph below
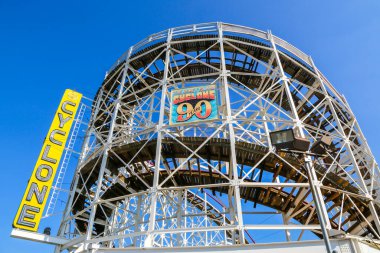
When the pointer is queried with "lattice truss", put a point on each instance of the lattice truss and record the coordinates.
(143, 183)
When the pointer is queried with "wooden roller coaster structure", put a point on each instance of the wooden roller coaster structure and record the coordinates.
(142, 182)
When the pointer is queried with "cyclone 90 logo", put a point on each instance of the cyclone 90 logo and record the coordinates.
(193, 105)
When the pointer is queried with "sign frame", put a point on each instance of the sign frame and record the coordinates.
(214, 104)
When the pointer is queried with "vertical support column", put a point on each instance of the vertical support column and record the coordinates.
(313, 180)
(285, 220)
(90, 130)
(266, 129)
(112, 225)
(185, 216)
(151, 108)
(349, 148)
(106, 151)
(179, 216)
(137, 218)
(224, 224)
(130, 123)
(125, 205)
(205, 217)
(74, 183)
(152, 216)
(233, 164)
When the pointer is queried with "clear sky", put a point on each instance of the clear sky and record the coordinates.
(48, 46)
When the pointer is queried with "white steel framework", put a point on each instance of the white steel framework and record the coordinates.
(141, 182)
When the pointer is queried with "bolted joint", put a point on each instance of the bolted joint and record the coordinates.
(263, 112)
(235, 182)
(107, 147)
(226, 73)
(316, 183)
(299, 123)
(153, 190)
(307, 159)
(230, 119)
(284, 79)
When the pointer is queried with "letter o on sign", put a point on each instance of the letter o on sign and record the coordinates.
(41, 168)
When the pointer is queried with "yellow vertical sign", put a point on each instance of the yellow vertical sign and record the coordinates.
(35, 197)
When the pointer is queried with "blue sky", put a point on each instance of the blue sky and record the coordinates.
(48, 46)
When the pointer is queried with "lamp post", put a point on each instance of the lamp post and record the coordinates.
(285, 140)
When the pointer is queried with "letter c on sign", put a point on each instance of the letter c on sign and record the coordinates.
(64, 107)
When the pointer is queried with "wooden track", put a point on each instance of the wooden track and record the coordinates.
(215, 150)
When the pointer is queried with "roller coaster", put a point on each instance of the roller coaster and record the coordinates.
(144, 182)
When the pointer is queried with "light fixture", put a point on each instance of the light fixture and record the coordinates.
(321, 146)
(285, 139)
